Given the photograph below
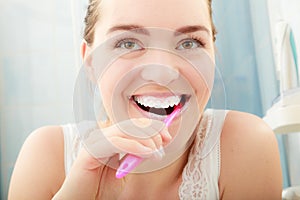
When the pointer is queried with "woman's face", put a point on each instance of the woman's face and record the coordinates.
(162, 55)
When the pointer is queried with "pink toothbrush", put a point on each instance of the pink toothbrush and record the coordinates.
(131, 161)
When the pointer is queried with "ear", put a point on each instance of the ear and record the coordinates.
(85, 50)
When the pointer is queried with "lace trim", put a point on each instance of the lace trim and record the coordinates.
(194, 182)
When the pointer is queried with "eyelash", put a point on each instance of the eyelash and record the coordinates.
(121, 41)
(199, 40)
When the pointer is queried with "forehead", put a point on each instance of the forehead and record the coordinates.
(169, 14)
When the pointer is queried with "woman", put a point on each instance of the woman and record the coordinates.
(248, 166)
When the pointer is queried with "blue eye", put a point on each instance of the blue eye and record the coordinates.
(187, 44)
(128, 44)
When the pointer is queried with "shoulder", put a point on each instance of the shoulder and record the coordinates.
(40, 165)
(250, 163)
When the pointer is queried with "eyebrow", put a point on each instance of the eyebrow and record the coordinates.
(129, 27)
(190, 29)
(142, 30)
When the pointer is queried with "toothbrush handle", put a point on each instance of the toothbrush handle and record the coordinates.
(129, 163)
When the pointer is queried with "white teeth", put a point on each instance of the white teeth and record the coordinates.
(157, 102)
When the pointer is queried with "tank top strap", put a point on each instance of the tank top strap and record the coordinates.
(200, 176)
(72, 145)
(213, 128)
(74, 135)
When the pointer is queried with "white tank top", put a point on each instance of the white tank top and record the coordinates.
(200, 176)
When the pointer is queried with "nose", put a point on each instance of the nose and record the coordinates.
(160, 74)
(161, 70)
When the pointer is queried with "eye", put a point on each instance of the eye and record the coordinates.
(187, 44)
(129, 44)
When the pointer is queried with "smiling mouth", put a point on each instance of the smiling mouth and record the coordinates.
(161, 106)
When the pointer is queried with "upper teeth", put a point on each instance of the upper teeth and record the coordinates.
(157, 102)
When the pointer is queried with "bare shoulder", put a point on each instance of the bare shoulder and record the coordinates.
(39, 169)
(250, 163)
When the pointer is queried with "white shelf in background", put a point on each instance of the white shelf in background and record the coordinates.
(284, 116)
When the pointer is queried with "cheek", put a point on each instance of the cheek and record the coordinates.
(202, 91)
(201, 75)
(106, 95)
(110, 80)
(111, 75)
(199, 83)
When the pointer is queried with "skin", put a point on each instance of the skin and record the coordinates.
(250, 165)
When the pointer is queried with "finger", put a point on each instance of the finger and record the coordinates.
(104, 143)
(124, 145)
(141, 128)
(157, 140)
(166, 136)
(158, 151)
(98, 145)
(153, 142)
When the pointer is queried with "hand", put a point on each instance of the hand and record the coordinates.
(141, 137)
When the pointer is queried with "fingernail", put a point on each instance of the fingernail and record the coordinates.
(159, 153)
(162, 151)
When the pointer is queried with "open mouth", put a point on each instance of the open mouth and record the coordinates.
(162, 106)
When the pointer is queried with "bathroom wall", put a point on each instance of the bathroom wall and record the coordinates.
(37, 72)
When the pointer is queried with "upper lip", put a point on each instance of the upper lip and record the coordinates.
(158, 95)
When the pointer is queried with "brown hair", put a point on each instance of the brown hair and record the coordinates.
(93, 14)
(213, 27)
